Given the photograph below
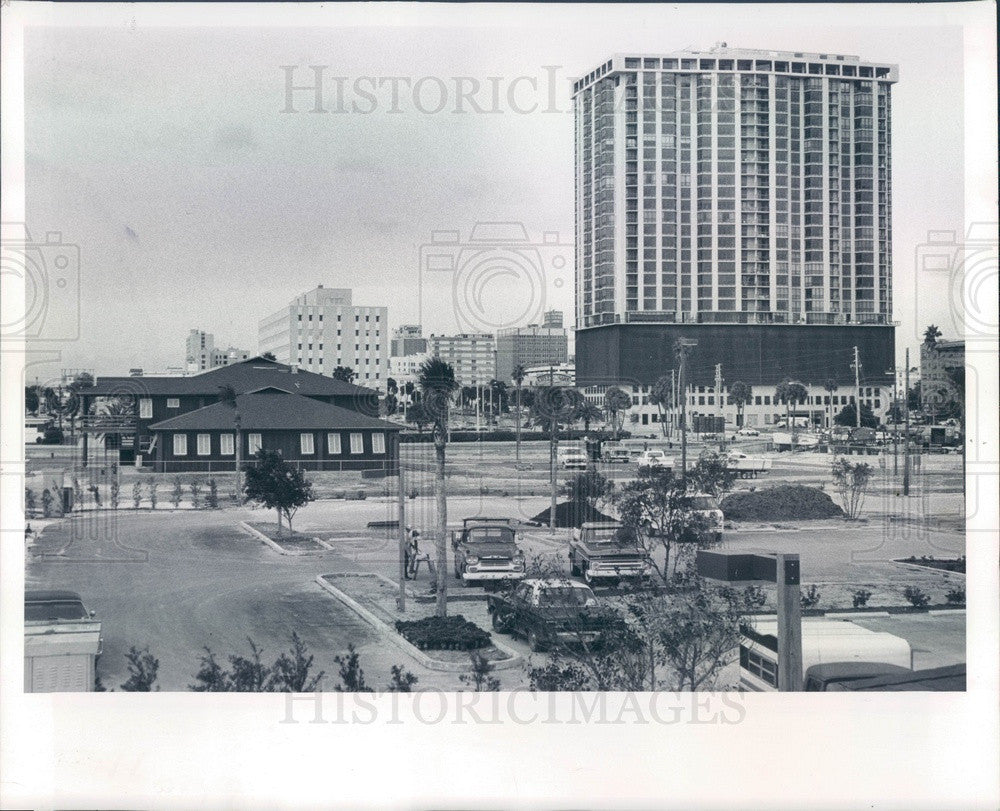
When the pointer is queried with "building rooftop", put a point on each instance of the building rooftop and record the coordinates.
(273, 409)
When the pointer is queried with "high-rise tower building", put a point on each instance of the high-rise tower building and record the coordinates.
(740, 198)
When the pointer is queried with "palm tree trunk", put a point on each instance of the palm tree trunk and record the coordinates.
(442, 521)
(517, 452)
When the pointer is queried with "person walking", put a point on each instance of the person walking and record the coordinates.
(411, 552)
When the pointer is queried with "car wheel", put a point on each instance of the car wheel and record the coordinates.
(535, 642)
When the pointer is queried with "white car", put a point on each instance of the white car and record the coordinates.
(572, 458)
(747, 432)
(654, 458)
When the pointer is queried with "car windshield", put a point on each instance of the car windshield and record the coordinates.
(703, 503)
(654, 453)
(618, 535)
(553, 596)
(54, 610)
(489, 535)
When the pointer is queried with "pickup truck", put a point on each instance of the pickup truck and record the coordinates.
(746, 467)
(572, 459)
(62, 641)
(485, 549)
(606, 550)
(654, 458)
(551, 612)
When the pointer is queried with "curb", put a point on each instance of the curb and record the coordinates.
(397, 639)
(927, 569)
(275, 546)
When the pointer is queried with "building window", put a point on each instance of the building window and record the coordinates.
(378, 443)
(173, 402)
(254, 443)
(227, 447)
(306, 444)
(357, 443)
(333, 444)
(204, 444)
(180, 445)
(145, 408)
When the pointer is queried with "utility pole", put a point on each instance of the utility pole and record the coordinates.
(682, 346)
(401, 519)
(673, 401)
(722, 413)
(895, 419)
(857, 389)
(906, 437)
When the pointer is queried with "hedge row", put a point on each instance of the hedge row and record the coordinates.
(510, 436)
(444, 633)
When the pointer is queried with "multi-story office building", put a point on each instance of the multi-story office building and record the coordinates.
(407, 339)
(472, 355)
(740, 199)
(552, 318)
(936, 386)
(321, 330)
(202, 354)
(532, 345)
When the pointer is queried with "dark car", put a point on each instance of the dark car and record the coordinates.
(486, 550)
(551, 611)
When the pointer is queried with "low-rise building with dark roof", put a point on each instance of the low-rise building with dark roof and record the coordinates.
(156, 399)
(312, 434)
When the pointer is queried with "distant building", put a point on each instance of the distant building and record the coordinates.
(406, 368)
(532, 345)
(472, 355)
(550, 374)
(322, 329)
(552, 318)
(407, 339)
(202, 354)
(936, 388)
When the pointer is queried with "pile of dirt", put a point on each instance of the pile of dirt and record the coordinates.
(787, 502)
(571, 514)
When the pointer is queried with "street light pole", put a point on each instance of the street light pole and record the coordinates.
(906, 438)
(681, 347)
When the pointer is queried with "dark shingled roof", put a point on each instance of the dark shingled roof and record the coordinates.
(247, 375)
(272, 409)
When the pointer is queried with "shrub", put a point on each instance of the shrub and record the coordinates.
(860, 598)
(810, 597)
(29, 500)
(851, 481)
(142, 669)
(955, 597)
(136, 495)
(95, 491)
(444, 633)
(754, 597)
(916, 597)
(401, 681)
(114, 494)
(789, 502)
(195, 488)
(47, 502)
(177, 492)
(480, 677)
(152, 494)
(212, 497)
(52, 436)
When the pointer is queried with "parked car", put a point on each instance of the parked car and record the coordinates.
(606, 550)
(746, 467)
(551, 611)
(746, 432)
(612, 452)
(62, 640)
(572, 459)
(707, 507)
(485, 549)
(654, 458)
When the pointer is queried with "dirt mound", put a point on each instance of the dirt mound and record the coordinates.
(788, 502)
(571, 514)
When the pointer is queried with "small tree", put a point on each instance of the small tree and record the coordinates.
(212, 497)
(344, 373)
(177, 492)
(846, 416)
(790, 393)
(401, 681)
(860, 598)
(418, 415)
(290, 673)
(661, 395)
(616, 403)
(711, 474)
(916, 597)
(142, 670)
(480, 678)
(29, 501)
(152, 488)
(95, 491)
(46, 503)
(195, 488)
(277, 485)
(741, 394)
(589, 487)
(352, 677)
(852, 481)
(114, 494)
(810, 597)
(136, 495)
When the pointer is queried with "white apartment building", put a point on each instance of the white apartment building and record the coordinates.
(472, 355)
(201, 353)
(322, 329)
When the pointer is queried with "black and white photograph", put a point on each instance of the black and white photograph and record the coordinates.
(501, 401)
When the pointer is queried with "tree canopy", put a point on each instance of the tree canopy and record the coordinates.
(275, 484)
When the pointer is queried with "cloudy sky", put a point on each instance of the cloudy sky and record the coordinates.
(165, 154)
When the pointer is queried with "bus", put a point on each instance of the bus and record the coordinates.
(824, 641)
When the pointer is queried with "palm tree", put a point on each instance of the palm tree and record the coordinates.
(227, 395)
(518, 377)
(586, 411)
(616, 402)
(830, 386)
(740, 393)
(659, 395)
(789, 392)
(553, 405)
(437, 382)
(931, 334)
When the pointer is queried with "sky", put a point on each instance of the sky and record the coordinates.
(197, 201)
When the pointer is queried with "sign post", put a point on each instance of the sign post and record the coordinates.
(783, 570)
